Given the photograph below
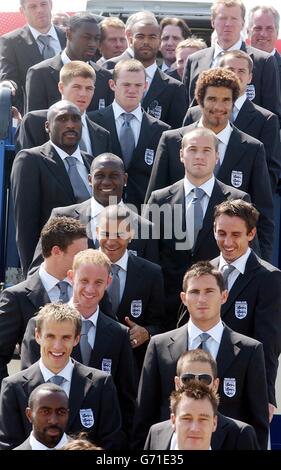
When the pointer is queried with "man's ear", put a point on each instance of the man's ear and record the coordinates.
(28, 414)
(173, 421)
(37, 336)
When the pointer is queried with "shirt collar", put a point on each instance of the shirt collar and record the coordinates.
(63, 155)
(64, 57)
(235, 47)
(83, 119)
(52, 32)
(273, 52)
(47, 279)
(66, 372)
(225, 134)
(208, 186)
(117, 111)
(215, 332)
(123, 261)
(97, 208)
(239, 263)
(93, 318)
(240, 101)
(36, 445)
(150, 71)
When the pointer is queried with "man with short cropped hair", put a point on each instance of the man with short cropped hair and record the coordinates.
(90, 391)
(22, 48)
(76, 84)
(83, 36)
(61, 239)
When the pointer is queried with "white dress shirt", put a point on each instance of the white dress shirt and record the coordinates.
(93, 319)
(218, 53)
(212, 343)
(238, 105)
(150, 72)
(82, 170)
(50, 284)
(36, 445)
(85, 133)
(135, 123)
(66, 373)
(239, 264)
(54, 40)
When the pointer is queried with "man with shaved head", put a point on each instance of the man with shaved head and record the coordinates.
(54, 174)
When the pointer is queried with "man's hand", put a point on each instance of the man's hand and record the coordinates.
(138, 334)
(271, 409)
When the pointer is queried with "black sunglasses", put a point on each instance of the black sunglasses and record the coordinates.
(206, 378)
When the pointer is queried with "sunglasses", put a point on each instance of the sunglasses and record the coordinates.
(206, 378)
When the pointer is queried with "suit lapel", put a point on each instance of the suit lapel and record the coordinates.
(216, 198)
(158, 84)
(36, 293)
(83, 212)
(80, 385)
(235, 151)
(178, 342)
(227, 352)
(108, 118)
(245, 115)
(104, 337)
(31, 49)
(56, 166)
(133, 274)
(241, 282)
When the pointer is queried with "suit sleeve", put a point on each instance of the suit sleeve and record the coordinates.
(25, 184)
(271, 97)
(30, 349)
(271, 140)
(267, 328)
(12, 429)
(11, 328)
(261, 196)
(110, 433)
(159, 177)
(247, 439)
(256, 398)
(125, 381)
(147, 445)
(148, 411)
(155, 319)
(178, 107)
(36, 90)
(8, 67)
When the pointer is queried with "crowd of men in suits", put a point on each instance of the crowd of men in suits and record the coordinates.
(144, 212)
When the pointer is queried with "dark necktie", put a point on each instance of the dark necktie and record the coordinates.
(126, 138)
(63, 287)
(47, 51)
(204, 338)
(56, 379)
(199, 193)
(81, 192)
(226, 271)
(114, 288)
(85, 347)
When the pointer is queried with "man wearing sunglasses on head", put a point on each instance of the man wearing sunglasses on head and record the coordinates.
(240, 359)
(230, 434)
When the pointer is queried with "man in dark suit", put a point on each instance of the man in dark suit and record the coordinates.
(247, 116)
(129, 84)
(240, 359)
(253, 307)
(61, 238)
(137, 293)
(242, 162)
(82, 41)
(107, 179)
(89, 390)
(107, 341)
(42, 179)
(230, 433)
(164, 93)
(263, 29)
(48, 412)
(228, 21)
(175, 219)
(20, 49)
(77, 84)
